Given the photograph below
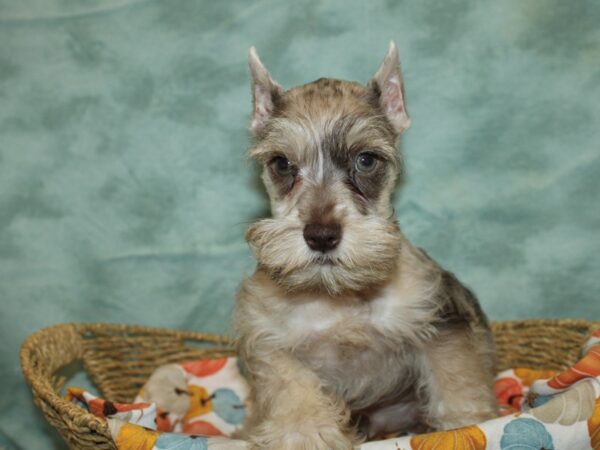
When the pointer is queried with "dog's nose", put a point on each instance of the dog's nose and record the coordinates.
(322, 238)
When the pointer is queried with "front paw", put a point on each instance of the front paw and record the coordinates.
(302, 438)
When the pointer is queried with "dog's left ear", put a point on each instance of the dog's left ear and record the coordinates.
(388, 85)
(265, 92)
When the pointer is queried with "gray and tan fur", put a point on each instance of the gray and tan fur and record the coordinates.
(346, 329)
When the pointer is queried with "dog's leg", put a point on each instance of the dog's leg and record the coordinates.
(457, 378)
(290, 410)
(399, 417)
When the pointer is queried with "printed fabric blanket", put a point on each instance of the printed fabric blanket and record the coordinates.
(198, 405)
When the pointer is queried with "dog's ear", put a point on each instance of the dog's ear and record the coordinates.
(387, 84)
(265, 92)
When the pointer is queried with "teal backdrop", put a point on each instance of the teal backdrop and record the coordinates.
(124, 191)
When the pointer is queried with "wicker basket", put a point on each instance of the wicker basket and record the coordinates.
(119, 359)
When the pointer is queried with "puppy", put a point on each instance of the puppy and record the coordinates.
(346, 330)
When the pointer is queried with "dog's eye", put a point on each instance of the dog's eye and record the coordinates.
(282, 166)
(365, 162)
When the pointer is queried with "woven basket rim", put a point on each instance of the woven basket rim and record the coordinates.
(41, 385)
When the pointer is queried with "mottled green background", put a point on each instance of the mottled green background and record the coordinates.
(124, 192)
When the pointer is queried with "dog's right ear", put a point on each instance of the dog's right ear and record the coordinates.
(265, 92)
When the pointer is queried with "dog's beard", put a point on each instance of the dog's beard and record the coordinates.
(366, 256)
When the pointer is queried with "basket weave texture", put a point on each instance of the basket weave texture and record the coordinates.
(120, 358)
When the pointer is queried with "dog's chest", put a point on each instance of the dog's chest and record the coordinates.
(350, 346)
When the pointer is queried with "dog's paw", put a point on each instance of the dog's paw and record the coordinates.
(319, 438)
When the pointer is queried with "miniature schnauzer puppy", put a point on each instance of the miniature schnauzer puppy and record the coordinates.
(346, 330)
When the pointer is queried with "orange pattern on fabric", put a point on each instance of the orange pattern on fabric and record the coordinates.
(102, 408)
(509, 393)
(74, 392)
(135, 437)
(528, 376)
(588, 366)
(594, 427)
(162, 420)
(202, 428)
(204, 367)
(466, 438)
(200, 403)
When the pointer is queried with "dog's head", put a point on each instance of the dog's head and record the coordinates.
(328, 151)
